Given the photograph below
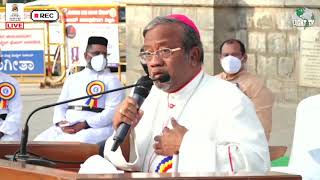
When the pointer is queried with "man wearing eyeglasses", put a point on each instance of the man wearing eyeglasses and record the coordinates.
(205, 122)
(88, 120)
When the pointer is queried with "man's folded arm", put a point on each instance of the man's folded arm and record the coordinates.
(60, 110)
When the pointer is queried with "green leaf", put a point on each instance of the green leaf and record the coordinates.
(299, 11)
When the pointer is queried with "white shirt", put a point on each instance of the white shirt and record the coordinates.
(11, 126)
(217, 116)
(306, 138)
(101, 123)
(75, 86)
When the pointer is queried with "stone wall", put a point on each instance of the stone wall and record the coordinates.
(265, 27)
(272, 42)
(273, 47)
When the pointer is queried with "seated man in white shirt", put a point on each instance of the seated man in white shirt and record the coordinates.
(88, 120)
(10, 108)
(205, 121)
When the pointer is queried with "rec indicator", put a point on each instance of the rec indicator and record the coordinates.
(44, 15)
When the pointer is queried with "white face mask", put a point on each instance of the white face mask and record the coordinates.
(98, 63)
(231, 64)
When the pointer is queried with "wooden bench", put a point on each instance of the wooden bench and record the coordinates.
(79, 152)
(19, 170)
(56, 151)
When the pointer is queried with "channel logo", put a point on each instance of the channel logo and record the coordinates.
(44, 15)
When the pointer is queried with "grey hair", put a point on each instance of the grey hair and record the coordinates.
(190, 37)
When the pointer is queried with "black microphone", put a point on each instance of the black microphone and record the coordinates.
(139, 95)
(23, 155)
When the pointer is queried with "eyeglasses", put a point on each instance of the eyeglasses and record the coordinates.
(147, 56)
(96, 53)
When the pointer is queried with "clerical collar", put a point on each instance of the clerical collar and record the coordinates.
(186, 92)
(193, 80)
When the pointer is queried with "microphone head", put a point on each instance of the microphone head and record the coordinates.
(145, 86)
(145, 81)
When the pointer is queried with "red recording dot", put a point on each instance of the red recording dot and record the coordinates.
(36, 15)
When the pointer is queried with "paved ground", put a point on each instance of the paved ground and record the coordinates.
(33, 97)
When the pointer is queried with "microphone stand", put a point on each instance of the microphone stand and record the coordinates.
(23, 155)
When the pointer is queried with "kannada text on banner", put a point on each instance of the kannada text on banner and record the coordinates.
(22, 51)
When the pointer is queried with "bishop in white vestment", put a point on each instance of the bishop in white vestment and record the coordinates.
(224, 133)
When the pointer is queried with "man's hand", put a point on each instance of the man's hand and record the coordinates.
(62, 123)
(74, 128)
(169, 142)
(128, 113)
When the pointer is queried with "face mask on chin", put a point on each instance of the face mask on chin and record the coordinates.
(98, 63)
(231, 64)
